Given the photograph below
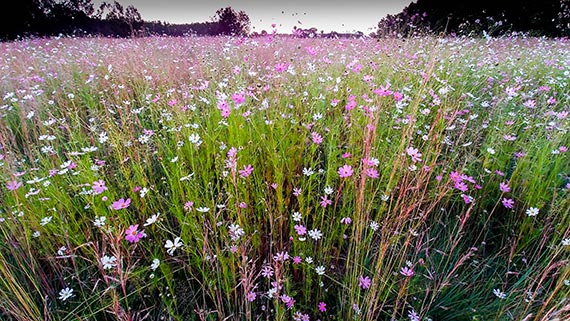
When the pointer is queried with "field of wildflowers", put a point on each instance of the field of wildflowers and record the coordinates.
(285, 179)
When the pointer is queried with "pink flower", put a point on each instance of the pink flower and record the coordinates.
(504, 187)
(461, 186)
(13, 185)
(281, 67)
(121, 204)
(372, 173)
(133, 235)
(238, 98)
(316, 138)
(345, 171)
(297, 260)
(99, 187)
(414, 153)
(508, 203)
(325, 201)
(364, 282)
(406, 271)
(251, 296)
(322, 307)
(300, 229)
(246, 171)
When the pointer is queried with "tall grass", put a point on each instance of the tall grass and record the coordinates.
(279, 178)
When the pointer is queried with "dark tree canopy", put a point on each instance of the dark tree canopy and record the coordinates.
(545, 17)
(231, 22)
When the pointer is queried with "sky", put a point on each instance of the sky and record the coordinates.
(326, 15)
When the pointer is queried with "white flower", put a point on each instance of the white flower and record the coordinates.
(320, 270)
(152, 219)
(108, 262)
(308, 171)
(45, 220)
(374, 226)
(329, 190)
(99, 221)
(143, 192)
(315, 234)
(384, 198)
(61, 251)
(195, 139)
(491, 151)
(533, 211)
(203, 209)
(172, 246)
(236, 232)
(566, 242)
(500, 294)
(297, 216)
(317, 116)
(309, 260)
(155, 264)
(36, 234)
(65, 294)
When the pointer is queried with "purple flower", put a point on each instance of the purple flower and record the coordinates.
(133, 235)
(406, 271)
(121, 204)
(99, 187)
(322, 307)
(364, 282)
(13, 185)
(504, 187)
(508, 203)
(345, 171)
(246, 171)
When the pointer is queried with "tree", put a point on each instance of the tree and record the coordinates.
(231, 22)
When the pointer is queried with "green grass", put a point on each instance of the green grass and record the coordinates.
(145, 116)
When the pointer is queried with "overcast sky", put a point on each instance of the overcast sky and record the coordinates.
(341, 16)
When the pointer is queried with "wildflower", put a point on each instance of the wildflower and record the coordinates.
(250, 296)
(99, 221)
(533, 211)
(566, 242)
(328, 190)
(98, 187)
(346, 220)
(65, 294)
(172, 246)
(325, 201)
(267, 271)
(246, 171)
(345, 171)
(121, 204)
(133, 235)
(499, 294)
(504, 187)
(289, 301)
(152, 219)
(320, 270)
(235, 232)
(372, 173)
(406, 271)
(374, 226)
(297, 191)
(61, 251)
(108, 262)
(297, 216)
(188, 206)
(46, 220)
(364, 282)
(413, 315)
(322, 307)
(13, 185)
(316, 138)
(308, 171)
(315, 234)
(281, 256)
(155, 264)
(508, 203)
(300, 229)
(202, 209)
(297, 260)
(414, 154)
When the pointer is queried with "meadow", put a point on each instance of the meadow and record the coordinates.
(276, 178)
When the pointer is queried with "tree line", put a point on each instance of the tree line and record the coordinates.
(44, 18)
(549, 18)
